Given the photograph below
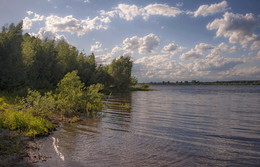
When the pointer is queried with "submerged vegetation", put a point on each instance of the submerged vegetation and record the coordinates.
(46, 81)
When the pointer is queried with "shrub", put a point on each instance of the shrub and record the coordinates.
(94, 98)
(73, 97)
(38, 105)
(25, 123)
(70, 93)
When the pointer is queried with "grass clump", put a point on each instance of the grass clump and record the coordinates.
(142, 87)
(25, 123)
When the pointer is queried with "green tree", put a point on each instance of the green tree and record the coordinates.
(103, 76)
(70, 93)
(11, 64)
(120, 70)
(66, 58)
(86, 66)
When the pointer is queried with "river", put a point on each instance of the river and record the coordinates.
(173, 126)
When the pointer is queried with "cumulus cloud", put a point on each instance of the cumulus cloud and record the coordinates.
(144, 44)
(223, 48)
(255, 45)
(68, 24)
(27, 22)
(45, 34)
(215, 63)
(108, 57)
(200, 49)
(172, 48)
(246, 72)
(236, 27)
(73, 25)
(205, 10)
(196, 52)
(160, 67)
(191, 55)
(129, 12)
(258, 55)
(97, 47)
(29, 12)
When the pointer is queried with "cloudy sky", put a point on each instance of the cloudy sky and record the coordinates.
(168, 40)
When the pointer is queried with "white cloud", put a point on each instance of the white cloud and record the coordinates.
(97, 47)
(258, 55)
(224, 48)
(68, 24)
(161, 10)
(236, 27)
(73, 25)
(108, 57)
(255, 45)
(203, 47)
(163, 67)
(215, 63)
(45, 34)
(205, 10)
(129, 12)
(246, 72)
(148, 43)
(144, 44)
(179, 4)
(172, 48)
(131, 44)
(191, 55)
(200, 49)
(29, 12)
(27, 22)
(196, 52)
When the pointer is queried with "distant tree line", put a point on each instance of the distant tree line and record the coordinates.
(28, 62)
(194, 82)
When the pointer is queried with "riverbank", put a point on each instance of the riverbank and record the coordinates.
(18, 151)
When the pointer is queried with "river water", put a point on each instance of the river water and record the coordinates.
(173, 126)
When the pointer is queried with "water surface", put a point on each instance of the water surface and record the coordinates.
(173, 126)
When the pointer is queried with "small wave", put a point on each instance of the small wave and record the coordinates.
(56, 148)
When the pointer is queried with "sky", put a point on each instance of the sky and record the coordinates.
(167, 40)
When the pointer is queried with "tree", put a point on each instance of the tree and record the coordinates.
(86, 66)
(12, 73)
(120, 70)
(40, 60)
(70, 93)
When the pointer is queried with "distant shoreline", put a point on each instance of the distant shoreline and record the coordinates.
(194, 82)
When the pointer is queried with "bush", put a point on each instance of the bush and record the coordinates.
(70, 93)
(73, 97)
(38, 105)
(25, 123)
(94, 98)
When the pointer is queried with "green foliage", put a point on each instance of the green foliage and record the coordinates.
(145, 85)
(94, 98)
(24, 122)
(73, 97)
(133, 80)
(70, 93)
(38, 105)
(120, 70)
(11, 65)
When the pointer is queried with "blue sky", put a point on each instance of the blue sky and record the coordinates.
(168, 40)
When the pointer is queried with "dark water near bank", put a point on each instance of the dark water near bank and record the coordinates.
(174, 126)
